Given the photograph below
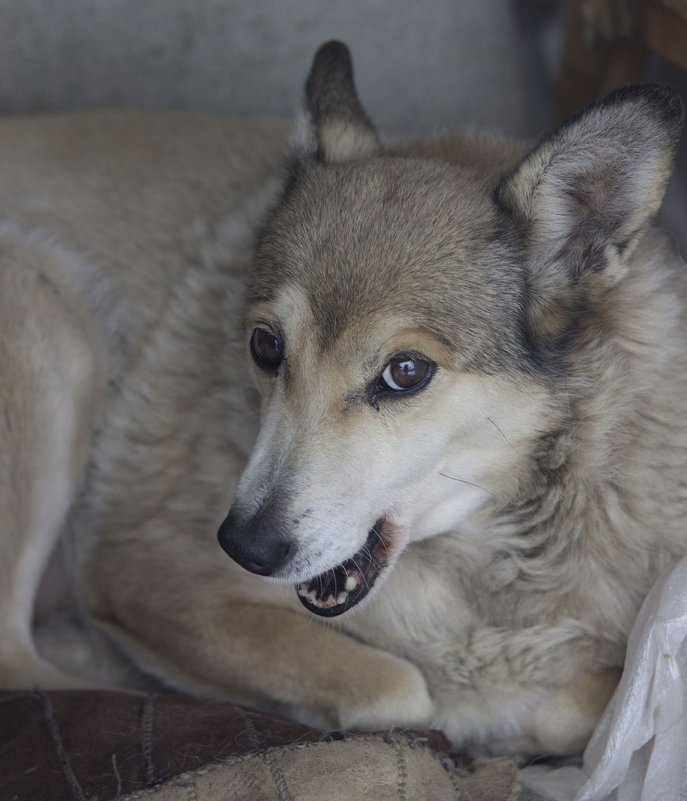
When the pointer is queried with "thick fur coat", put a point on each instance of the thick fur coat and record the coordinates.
(512, 507)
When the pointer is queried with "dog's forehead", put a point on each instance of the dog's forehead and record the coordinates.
(416, 240)
(357, 346)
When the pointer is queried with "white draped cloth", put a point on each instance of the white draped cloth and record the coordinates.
(638, 751)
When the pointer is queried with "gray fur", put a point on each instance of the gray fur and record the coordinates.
(531, 492)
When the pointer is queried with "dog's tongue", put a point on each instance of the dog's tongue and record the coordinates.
(342, 587)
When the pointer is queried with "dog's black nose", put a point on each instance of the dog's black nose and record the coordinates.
(258, 543)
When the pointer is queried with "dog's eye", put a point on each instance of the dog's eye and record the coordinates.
(405, 373)
(267, 349)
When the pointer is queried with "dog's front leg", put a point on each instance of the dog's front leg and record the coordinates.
(530, 690)
(267, 656)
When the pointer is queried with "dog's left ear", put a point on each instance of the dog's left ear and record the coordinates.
(581, 200)
(335, 128)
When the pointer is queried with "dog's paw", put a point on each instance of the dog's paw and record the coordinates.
(395, 696)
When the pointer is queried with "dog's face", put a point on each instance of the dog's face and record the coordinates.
(403, 349)
(381, 333)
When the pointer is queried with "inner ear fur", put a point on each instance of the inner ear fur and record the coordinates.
(582, 198)
(335, 127)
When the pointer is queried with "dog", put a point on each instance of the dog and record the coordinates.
(440, 387)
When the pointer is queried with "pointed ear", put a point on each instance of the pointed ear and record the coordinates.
(335, 127)
(581, 200)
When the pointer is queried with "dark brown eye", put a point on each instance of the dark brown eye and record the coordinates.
(267, 349)
(405, 372)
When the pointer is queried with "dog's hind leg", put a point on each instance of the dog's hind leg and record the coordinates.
(47, 381)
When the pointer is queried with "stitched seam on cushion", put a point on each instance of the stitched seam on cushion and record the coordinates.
(53, 730)
(278, 776)
(255, 739)
(192, 790)
(401, 766)
(118, 778)
(457, 789)
(180, 780)
(147, 737)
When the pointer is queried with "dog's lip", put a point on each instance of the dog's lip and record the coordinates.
(345, 585)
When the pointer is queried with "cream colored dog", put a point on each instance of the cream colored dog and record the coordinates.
(470, 366)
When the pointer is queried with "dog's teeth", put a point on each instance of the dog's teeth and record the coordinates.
(342, 597)
(312, 597)
(303, 590)
(351, 583)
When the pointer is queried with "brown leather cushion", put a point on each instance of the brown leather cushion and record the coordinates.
(73, 746)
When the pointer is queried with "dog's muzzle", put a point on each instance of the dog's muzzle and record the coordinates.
(260, 544)
(344, 586)
(257, 543)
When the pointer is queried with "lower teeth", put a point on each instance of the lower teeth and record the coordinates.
(327, 603)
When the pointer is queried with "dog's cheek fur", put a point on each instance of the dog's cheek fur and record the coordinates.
(485, 429)
(360, 465)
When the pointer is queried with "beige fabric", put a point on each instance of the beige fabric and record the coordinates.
(395, 768)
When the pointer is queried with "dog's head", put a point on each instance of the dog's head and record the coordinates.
(409, 320)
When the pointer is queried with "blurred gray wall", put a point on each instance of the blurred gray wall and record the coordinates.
(421, 65)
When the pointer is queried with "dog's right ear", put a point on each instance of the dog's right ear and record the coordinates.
(335, 127)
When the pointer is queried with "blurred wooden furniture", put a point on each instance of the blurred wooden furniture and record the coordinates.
(607, 43)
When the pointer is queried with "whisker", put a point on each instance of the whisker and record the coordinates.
(362, 573)
(500, 430)
(470, 483)
(381, 541)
